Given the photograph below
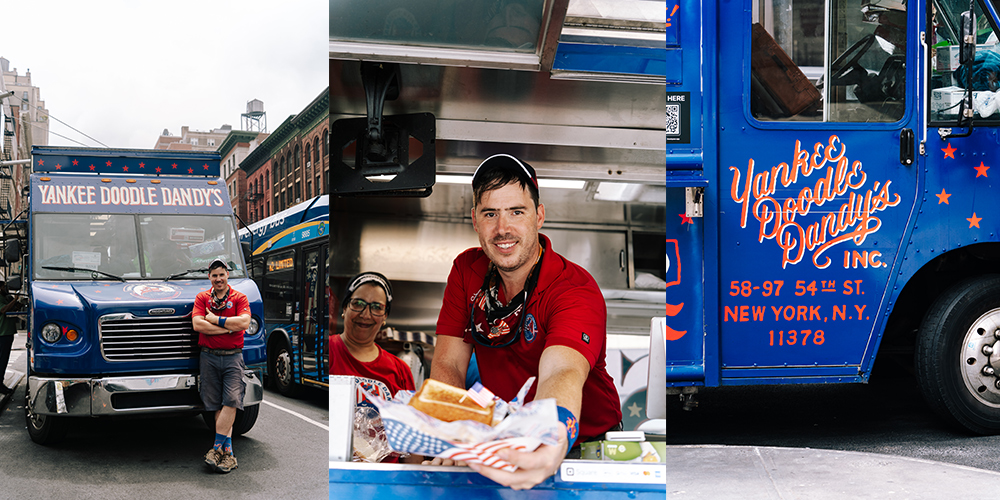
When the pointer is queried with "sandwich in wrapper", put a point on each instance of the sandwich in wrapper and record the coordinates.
(522, 427)
(449, 403)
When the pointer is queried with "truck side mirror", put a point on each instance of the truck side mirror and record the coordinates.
(12, 250)
(967, 39)
(14, 283)
(245, 246)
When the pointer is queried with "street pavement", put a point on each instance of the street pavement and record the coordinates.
(707, 472)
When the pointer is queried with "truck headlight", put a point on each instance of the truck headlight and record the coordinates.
(51, 332)
(254, 326)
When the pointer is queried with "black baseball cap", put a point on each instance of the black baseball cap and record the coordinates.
(509, 163)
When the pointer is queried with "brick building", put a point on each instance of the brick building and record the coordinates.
(234, 149)
(291, 165)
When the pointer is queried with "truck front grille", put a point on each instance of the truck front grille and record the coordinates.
(126, 337)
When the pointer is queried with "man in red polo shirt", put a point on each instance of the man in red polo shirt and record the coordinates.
(220, 316)
(525, 311)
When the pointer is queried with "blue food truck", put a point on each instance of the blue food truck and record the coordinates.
(832, 199)
(117, 245)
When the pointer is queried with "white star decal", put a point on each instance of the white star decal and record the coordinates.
(634, 410)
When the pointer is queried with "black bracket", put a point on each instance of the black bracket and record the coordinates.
(381, 82)
(371, 156)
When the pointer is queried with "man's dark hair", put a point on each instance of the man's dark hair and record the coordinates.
(499, 170)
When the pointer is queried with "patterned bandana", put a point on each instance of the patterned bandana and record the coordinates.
(493, 324)
(220, 304)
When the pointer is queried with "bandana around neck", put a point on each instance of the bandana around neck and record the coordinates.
(218, 304)
(493, 323)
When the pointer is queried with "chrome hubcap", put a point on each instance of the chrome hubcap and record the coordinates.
(980, 359)
(283, 366)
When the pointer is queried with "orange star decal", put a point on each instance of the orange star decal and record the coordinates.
(974, 221)
(981, 170)
(943, 197)
(949, 152)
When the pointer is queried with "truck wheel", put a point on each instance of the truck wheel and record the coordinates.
(245, 419)
(44, 429)
(958, 355)
(281, 370)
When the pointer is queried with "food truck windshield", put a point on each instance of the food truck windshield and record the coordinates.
(74, 246)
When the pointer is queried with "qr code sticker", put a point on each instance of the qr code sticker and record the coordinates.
(673, 119)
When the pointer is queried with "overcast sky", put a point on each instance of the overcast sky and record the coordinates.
(121, 71)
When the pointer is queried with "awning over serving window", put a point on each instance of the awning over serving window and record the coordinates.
(616, 40)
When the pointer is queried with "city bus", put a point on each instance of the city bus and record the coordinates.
(289, 264)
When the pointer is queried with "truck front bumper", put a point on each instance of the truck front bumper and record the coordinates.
(94, 397)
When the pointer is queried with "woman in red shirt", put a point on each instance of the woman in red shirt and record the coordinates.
(365, 308)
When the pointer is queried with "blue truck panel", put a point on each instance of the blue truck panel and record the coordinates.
(125, 161)
(846, 196)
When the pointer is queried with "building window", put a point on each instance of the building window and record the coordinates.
(296, 159)
(211, 142)
(308, 156)
(194, 141)
(326, 143)
(267, 209)
(309, 189)
(316, 150)
(319, 187)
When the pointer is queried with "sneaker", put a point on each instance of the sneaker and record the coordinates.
(227, 462)
(4, 390)
(212, 458)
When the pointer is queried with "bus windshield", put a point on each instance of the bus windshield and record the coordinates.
(74, 246)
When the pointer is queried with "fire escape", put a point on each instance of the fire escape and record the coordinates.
(7, 171)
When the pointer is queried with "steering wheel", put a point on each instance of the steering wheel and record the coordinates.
(840, 69)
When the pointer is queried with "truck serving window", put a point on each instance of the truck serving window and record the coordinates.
(829, 61)
(948, 80)
(163, 246)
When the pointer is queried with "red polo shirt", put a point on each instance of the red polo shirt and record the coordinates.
(566, 308)
(236, 305)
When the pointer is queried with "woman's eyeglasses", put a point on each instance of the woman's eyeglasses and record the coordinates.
(376, 308)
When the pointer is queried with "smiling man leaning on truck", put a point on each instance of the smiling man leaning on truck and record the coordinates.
(220, 316)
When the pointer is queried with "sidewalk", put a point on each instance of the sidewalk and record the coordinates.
(14, 371)
(754, 472)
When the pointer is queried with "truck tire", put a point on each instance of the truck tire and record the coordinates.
(44, 429)
(245, 419)
(280, 368)
(957, 355)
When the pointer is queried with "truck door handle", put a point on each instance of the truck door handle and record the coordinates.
(906, 147)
